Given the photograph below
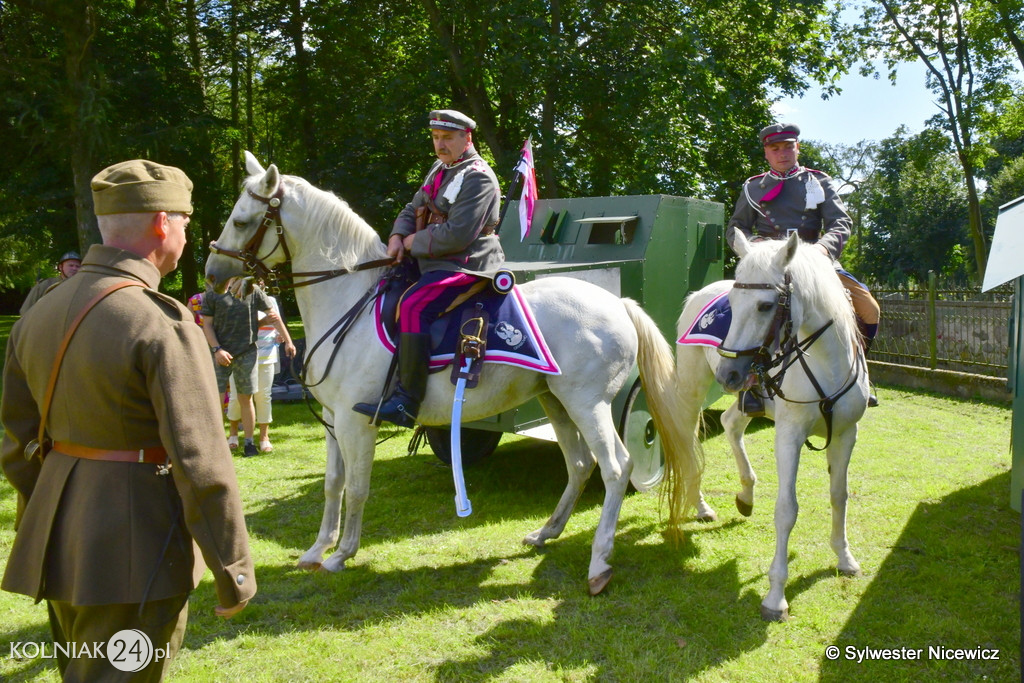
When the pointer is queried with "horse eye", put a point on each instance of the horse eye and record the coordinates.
(239, 224)
(765, 307)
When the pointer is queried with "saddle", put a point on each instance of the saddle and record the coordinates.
(512, 335)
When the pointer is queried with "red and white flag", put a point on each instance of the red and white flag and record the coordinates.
(529, 196)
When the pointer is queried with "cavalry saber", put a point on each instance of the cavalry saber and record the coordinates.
(463, 508)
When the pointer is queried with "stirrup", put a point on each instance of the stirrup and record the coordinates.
(750, 403)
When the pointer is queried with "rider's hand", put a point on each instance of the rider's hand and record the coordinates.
(396, 248)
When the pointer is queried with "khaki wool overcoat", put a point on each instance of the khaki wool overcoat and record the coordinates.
(137, 374)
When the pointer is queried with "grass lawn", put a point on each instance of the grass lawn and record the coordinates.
(432, 597)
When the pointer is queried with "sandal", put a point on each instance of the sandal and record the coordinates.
(265, 446)
(233, 441)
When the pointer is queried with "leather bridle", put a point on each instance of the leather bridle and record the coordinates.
(781, 349)
(255, 264)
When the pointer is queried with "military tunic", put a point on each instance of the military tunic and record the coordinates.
(36, 293)
(771, 205)
(137, 374)
(468, 193)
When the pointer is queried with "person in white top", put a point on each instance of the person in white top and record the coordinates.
(267, 359)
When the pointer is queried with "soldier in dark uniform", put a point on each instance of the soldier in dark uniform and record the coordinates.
(139, 468)
(67, 266)
(792, 197)
(448, 227)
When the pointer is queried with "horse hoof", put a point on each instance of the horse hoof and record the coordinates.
(309, 566)
(597, 583)
(707, 517)
(768, 614)
(745, 509)
(852, 573)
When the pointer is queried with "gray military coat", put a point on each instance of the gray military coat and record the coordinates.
(470, 197)
(136, 375)
(806, 202)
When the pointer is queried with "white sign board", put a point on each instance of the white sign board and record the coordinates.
(1006, 258)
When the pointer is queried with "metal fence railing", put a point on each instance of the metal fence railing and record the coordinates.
(944, 328)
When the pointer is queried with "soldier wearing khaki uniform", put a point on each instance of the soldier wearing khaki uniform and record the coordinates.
(139, 468)
(68, 265)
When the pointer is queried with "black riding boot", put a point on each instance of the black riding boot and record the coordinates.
(750, 403)
(872, 399)
(403, 404)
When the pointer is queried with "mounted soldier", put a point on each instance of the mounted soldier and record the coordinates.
(787, 198)
(449, 229)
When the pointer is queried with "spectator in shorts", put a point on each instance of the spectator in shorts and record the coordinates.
(230, 323)
(267, 358)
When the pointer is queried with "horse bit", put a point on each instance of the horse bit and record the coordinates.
(780, 331)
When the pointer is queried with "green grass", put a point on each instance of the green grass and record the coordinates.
(432, 597)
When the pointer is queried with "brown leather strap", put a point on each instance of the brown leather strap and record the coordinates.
(154, 456)
(48, 397)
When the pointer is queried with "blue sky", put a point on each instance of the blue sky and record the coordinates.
(867, 109)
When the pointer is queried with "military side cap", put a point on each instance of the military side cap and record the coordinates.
(779, 132)
(141, 186)
(449, 119)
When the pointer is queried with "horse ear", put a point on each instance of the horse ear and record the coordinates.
(252, 166)
(740, 245)
(787, 252)
(270, 181)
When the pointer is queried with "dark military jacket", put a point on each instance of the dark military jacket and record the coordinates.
(470, 197)
(137, 374)
(771, 206)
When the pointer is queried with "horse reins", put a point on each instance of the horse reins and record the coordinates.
(254, 264)
(763, 362)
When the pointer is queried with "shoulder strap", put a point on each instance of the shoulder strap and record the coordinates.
(64, 346)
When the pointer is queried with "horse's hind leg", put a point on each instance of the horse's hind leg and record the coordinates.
(734, 422)
(596, 426)
(334, 487)
(839, 452)
(578, 461)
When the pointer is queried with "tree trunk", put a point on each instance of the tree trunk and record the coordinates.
(79, 24)
(307, 128)
(545, 164)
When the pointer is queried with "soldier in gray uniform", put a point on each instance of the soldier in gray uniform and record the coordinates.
(448, 227)
(791, 197)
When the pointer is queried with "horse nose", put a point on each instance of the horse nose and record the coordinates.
(731, 379)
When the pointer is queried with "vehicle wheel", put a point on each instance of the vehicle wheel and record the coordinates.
(642, 440)
(477, 444)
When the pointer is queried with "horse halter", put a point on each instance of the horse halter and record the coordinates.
(248, 254)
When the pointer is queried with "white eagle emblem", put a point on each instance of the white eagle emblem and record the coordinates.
(513, 337)
(707, 319)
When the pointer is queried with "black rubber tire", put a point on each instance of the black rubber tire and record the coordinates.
(477, 444)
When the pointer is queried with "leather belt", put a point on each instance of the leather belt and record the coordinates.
(154, 456)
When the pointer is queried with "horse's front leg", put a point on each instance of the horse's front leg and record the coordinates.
(839, 452)
(734, 422)
(357, 447)
(787, 460)
(334, 487)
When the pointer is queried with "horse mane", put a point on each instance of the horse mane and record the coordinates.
(343, 236)
(815, 283)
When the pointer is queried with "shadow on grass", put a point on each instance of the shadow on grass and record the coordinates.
(32, 667)
(520, 480)
(655, 615)
(937, 583)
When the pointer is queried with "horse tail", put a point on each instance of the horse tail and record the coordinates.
(684, 463)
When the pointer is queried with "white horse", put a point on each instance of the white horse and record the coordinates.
(786, 294)
(595, 338)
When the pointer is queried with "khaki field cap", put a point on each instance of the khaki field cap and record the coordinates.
(141, 186)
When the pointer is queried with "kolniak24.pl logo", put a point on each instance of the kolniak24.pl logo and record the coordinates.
(128, 650)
